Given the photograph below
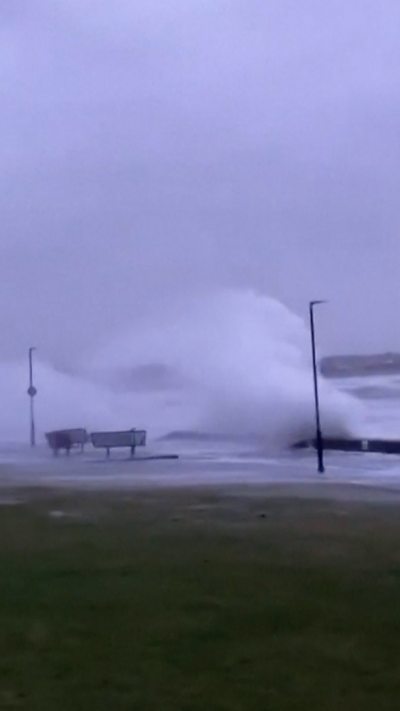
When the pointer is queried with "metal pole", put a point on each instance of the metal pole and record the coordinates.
(319, 439)
(33, 432)
(32, 393)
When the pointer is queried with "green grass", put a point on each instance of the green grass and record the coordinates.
(196, 602)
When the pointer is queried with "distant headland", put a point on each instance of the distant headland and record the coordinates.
(341, 366)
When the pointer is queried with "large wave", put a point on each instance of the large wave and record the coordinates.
(232, 363)
(239, 364)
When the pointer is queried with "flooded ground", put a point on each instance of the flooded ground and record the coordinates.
(347, 475)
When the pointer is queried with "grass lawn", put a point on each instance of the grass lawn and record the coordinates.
(194, 601)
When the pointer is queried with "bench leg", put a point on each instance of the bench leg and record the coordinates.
(132, 452)
(108, 453)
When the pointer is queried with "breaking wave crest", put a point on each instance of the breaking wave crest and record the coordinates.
(237, 363)
(232, 364)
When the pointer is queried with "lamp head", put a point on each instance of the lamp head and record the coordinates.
(319, 301)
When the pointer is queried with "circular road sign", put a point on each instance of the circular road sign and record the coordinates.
(32, 391)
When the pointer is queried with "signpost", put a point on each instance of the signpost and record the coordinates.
(32, 392)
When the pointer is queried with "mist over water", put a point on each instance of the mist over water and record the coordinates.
(230, 363)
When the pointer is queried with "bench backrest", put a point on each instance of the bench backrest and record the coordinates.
(125, 438)
(77, 435)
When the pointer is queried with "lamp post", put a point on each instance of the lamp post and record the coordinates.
(319, 440)
(32, 392)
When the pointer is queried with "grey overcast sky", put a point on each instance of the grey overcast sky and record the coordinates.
(153, 149)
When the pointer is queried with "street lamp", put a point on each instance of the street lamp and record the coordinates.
(32, 392)
(319, 440)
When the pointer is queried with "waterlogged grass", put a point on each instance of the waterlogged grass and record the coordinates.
(195, 602)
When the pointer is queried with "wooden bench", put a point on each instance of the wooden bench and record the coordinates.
(66, 439)
(125, 438)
